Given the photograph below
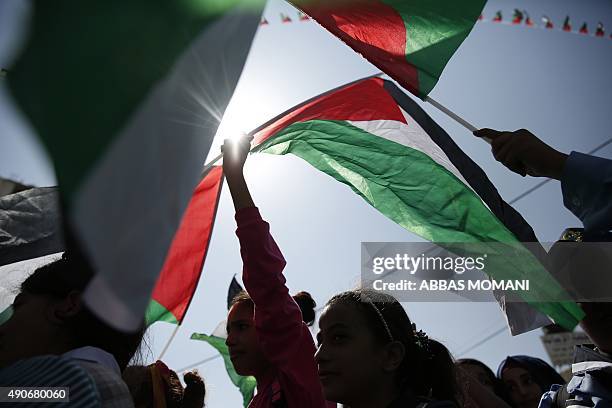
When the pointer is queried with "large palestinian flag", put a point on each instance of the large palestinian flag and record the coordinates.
(126, 97)
(372, 137)
(409, 40)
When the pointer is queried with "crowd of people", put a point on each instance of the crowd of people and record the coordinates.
(367, 352)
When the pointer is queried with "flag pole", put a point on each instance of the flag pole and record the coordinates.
(169, 341)
(454, 116)
(451, 114)
(211, 163)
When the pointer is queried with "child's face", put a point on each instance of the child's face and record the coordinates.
(244, 348)
(524, 391)
(349, 360)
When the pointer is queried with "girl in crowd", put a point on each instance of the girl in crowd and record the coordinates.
(157, 386)
(50, 318)
(526, 379)
(479, 386)
(370, 355)
(266, 334)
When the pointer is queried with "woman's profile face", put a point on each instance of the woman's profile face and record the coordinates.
(245, 351)
(28, 332)
(480, 374)
(523, 390)
(348, 357)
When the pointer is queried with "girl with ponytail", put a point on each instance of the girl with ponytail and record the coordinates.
(371, 355)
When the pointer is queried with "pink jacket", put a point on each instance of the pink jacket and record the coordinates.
(284, 337)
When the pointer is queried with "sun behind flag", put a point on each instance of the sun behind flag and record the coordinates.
(409, 40)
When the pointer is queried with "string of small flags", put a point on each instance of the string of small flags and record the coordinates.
(519, 18)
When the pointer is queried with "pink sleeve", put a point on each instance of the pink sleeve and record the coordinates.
(278, 319)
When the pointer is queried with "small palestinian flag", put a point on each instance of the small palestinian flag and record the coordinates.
(547, 22)
(285, 18)
(528, 20)
(498, 17)
(567, 25)
(600, 32)
(517, 17)
(303, 16)
(263, 21)
(584, 29)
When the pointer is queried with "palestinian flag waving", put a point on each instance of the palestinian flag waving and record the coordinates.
(498, 17)
(127, 97)
(584, 29)
(517, 16)
(374, 138)
(547, 22)
(180, 275)
(409, 40)
(528, 20)
(567, 25)
(600, 32)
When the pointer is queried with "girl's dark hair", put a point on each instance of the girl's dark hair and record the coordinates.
(303, 299)
(498, 385)
(63, 276)
(540, 371)
(428, 368)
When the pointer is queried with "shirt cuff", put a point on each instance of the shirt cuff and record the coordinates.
(247, 215)
(574, 178)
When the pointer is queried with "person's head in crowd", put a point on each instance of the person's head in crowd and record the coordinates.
(158, 386)
(479, 371)
(244, 348)
(50, 317)
(526, 379)
(369, 352)
(484, 375)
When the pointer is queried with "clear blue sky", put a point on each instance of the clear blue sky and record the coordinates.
(556, 84)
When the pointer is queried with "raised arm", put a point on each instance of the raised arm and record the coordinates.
(278, 319)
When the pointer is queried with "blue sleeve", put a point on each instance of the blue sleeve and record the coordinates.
(586, 184)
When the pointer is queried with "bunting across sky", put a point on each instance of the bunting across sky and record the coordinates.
(518, 18)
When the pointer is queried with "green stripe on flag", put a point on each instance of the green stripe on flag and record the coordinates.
(245, 384)
(434, 31)
(157, 313)
(411, 189)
